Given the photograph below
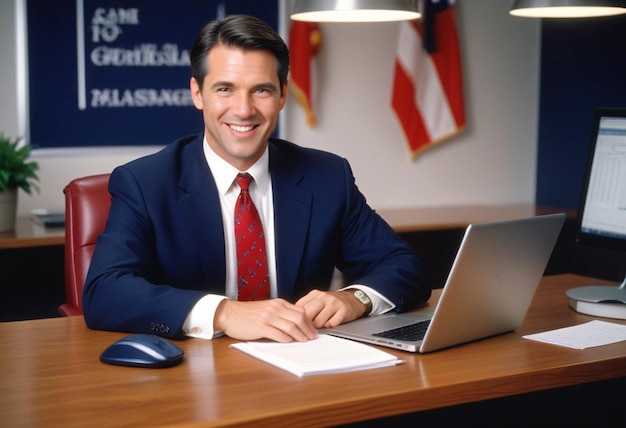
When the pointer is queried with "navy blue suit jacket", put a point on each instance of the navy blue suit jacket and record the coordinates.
(163, 245)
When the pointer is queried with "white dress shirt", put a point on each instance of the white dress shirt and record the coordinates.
(199, 322)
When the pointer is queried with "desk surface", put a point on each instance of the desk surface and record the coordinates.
(458, 217)
(29, 234)
(51, 375)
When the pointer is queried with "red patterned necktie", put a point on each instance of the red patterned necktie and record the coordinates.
(252, 275)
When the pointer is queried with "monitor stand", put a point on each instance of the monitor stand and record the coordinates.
(599, 300)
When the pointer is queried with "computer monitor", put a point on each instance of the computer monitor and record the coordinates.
(602, 212)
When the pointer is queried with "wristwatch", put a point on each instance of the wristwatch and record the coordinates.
(363, 298)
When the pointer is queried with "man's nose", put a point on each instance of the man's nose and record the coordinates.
(243, 105)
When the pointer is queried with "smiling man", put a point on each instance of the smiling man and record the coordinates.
(233, 232)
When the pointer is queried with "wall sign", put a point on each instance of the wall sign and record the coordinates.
(110, 73)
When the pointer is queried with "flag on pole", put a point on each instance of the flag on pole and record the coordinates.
(305, 41)
(427, 95)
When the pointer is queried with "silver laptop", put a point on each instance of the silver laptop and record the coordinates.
(488, 291)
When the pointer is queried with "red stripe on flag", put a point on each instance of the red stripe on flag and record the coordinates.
(447, 59)
(406, 110)
(305, 41)
(442, 111)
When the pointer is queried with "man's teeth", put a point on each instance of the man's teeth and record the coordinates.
(242, 128)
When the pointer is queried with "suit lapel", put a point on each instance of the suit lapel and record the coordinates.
(292, 211)
(199, 202)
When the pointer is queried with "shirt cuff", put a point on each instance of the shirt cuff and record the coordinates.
(199, 322)
(380, 304)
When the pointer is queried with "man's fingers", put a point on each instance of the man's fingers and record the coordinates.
(273, 319)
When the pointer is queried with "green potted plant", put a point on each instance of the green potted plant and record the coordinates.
(16, 172)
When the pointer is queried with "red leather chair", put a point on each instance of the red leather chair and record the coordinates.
(87, 202)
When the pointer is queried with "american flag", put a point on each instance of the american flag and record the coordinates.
(428, 83)
(305, 41)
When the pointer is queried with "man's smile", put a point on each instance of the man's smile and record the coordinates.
(242, 128)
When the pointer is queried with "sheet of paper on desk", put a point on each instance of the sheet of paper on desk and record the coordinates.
(326, 354)
(588, 335)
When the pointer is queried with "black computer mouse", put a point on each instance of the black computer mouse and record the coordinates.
(143, 350)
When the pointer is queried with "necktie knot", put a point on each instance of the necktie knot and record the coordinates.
(244, 179)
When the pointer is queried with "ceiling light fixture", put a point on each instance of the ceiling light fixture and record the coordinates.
(354, 10)
(567, 8)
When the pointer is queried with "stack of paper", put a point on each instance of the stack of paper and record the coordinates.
(326, 354)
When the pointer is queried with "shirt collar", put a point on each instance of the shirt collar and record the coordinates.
(224, 173)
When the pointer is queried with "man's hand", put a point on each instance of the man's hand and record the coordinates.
(274, 319)
(330, 308)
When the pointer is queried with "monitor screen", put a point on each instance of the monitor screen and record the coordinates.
(602, 213)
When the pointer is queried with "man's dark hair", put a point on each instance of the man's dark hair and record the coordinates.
(239, 31)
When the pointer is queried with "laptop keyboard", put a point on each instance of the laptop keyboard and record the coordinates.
(409, 332)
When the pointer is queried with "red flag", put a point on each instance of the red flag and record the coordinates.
(305, 41)
(428, 85)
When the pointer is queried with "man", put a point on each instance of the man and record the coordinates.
(167, 262)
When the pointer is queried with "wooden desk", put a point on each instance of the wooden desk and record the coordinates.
(27, 234)
(435, 233)
(418, 219)
(51, 376)
(32, 271)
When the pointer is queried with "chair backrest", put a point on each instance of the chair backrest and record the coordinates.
(87, 202)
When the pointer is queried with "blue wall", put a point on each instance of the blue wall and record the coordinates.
(128, 83)
(583, 67)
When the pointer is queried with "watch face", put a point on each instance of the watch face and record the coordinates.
(362, 297)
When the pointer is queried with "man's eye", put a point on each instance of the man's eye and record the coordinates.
(263, 92)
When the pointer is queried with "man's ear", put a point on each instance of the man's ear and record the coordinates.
(196, 93)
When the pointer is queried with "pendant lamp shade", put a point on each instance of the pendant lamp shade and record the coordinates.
(354, 10)
(567, 8)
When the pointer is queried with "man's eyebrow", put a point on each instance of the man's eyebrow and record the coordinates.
(221, 83)
(227, 84)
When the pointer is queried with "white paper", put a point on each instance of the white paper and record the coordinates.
(588, 335)
(325, 354)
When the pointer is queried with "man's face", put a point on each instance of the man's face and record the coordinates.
(240, 101)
